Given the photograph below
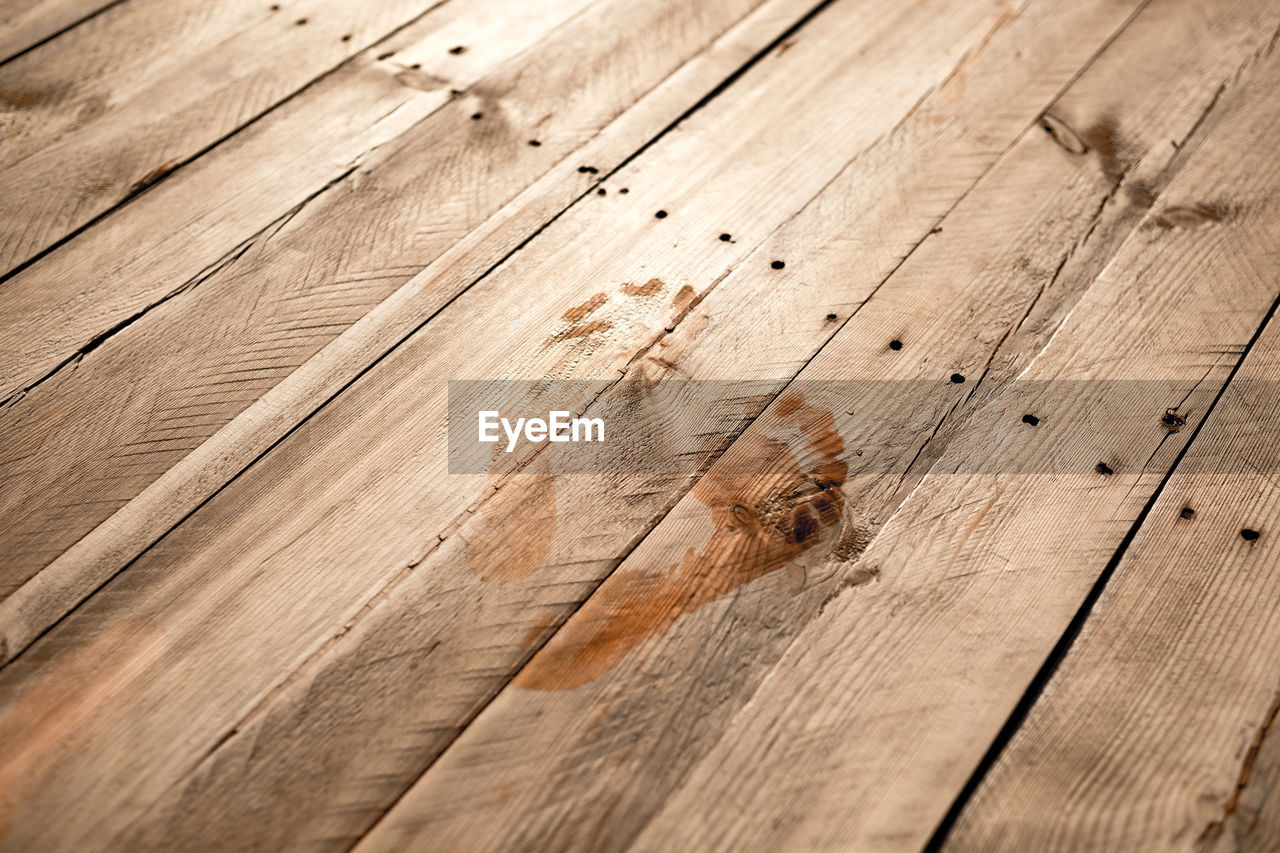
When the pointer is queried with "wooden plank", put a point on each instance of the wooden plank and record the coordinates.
(79, 78)
(49, 595)
(207, 354)
(883, 706)
(644, 678)
(26, 23)
(242, 599)
(177, 78)
(181, 230)
(1153, 732)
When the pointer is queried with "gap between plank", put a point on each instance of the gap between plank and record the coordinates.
(639, 538)
(7, 655)
(1063, 647)
(1058, 654)
(111, 4)
(253, 120)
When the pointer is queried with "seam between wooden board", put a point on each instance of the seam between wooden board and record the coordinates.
(381, 592)
(625, 552)
(16, 645)
(1062, 648)
(111, 4)
(1035, 688)
(249, 123)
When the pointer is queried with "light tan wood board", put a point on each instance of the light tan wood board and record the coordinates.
(643, 678)
(718, 161)
(1153, 734)
(178, 77)
(884, 705)
(26, 23)
(180, 232)
(135, 406)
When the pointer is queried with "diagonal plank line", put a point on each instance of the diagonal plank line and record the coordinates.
(251, 122)
(640, 537)
(1062, 648)
(17, 644)
(65, 29)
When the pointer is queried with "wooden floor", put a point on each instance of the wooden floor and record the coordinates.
(904, 598)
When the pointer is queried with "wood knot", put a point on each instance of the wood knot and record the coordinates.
(1190, 217)
(1063, 134)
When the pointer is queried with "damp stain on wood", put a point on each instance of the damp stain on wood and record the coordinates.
(771, 501)
(57, 713)
(23, 99)
(581, 330)
(652, 287)
(577, 313)
(1103, 139)
(518, 540)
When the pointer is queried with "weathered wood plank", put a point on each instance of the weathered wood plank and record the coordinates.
(883, 706)
(644, 677)
(53, 592)
(97, 67)
(176, 78)
(242, 599)
(183, 229)
(26, 23)
(1153, 732)
(201, 358)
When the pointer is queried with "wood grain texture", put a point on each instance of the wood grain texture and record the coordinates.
(514, 569)
(945, 334)
(188, 227)
(1154, 733)
(26, 23)
(299, 285)
(71, 577)
(605, 722)
(889, 698)
(196, 73)
(716, 163)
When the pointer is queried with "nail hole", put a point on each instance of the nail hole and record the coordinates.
(1249, 535)
(661, 214)
(624, 191)
(275, 7)
(831, 318)
(462, 48)
(957, 378)
(383, 57)
(777, 265)
(600, 191)
(1187, 512)
(588, 170)
(477, 116)
(300, 22)
(417, 66)
(1104, 469)
(533, 143)
(346, 37)
(725, 238)
(1030, 419)
(895, 345)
